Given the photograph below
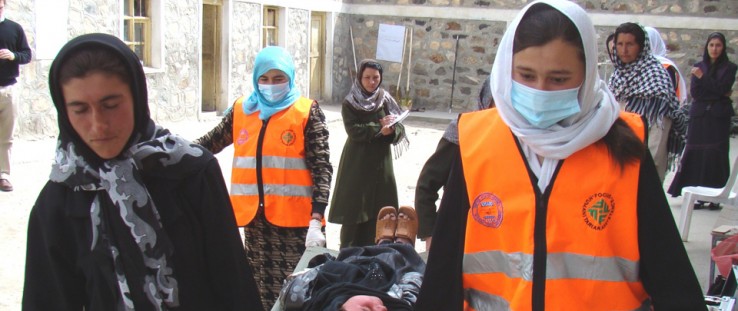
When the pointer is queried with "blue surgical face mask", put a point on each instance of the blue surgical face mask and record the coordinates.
(274, 92)
(544, 108)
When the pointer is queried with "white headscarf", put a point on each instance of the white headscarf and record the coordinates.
(598, 106)
(658, 49)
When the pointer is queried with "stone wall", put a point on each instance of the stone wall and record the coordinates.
(433, 55)
(298, 44)
(711, 8)
(434, 46)
(174, 90)
(245, 44)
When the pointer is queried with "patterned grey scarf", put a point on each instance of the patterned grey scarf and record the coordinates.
(371, 102)
(364, 101)
(121, 180)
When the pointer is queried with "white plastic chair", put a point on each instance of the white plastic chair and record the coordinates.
(725, 196)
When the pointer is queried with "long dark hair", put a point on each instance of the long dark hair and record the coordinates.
(722, 58)
(543, 24)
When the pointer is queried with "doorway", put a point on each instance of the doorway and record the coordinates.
(317, 54)
(211, 42)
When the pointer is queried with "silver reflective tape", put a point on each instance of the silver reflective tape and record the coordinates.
(272, 189)
(559, 266)
(244, 189)
(271, 162)
(577, 266)
(289, 190)
(514, 265)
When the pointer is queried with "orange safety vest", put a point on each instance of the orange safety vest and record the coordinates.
(677, 89)
(588, 221)
(273, 150)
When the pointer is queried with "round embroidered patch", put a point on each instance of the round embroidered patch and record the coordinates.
(243, 137)
(487, 210)
(288, 137)
(598, 210)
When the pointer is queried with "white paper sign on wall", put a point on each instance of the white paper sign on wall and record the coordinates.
(389, 42)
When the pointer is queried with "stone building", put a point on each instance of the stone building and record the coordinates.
(198, 54)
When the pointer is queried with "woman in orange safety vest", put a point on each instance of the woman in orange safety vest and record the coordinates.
(553, 202)
(281, 173)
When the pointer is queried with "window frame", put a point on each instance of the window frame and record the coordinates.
(153, 45)
(274, 28)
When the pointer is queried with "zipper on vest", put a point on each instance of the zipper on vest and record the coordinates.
(259, 176)
(540, 250)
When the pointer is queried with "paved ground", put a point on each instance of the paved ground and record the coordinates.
(32, 160)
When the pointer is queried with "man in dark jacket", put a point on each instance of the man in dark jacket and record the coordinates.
(14, 51)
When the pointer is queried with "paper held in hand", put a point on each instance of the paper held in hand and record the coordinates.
(401, 117)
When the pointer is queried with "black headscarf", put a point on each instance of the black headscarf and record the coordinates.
(721, 59)
(118, 186)
(144, 126)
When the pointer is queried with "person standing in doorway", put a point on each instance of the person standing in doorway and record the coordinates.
(14, 51)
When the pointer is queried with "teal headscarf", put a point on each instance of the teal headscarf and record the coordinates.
(271, 57)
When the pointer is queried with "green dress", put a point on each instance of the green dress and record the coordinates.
(366, 181)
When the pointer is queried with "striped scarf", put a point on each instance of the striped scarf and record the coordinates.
(646, 88)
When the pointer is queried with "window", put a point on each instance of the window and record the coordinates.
(137, 28)
(270, 27)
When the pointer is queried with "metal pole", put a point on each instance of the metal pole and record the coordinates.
(353, 48)
(453, 76)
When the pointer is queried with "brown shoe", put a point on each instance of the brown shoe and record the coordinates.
(5, 185)
(386, 226)
(407, 226)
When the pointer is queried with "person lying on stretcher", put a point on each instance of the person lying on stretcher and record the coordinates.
(385, 276)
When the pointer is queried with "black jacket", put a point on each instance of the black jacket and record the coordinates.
(62, 273)
(665, 270)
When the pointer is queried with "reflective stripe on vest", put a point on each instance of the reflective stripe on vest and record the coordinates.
(286, 180)
(591, 235)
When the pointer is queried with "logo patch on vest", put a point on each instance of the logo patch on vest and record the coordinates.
(288, 137)
(487, 210)
(243, 137)
(598, 210)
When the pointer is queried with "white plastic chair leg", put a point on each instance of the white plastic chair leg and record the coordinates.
(685, 216)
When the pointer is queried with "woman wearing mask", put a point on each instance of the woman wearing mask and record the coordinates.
(706, 161)
(366, 178)
(133, 217)
(281, 169)
(553, 202)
